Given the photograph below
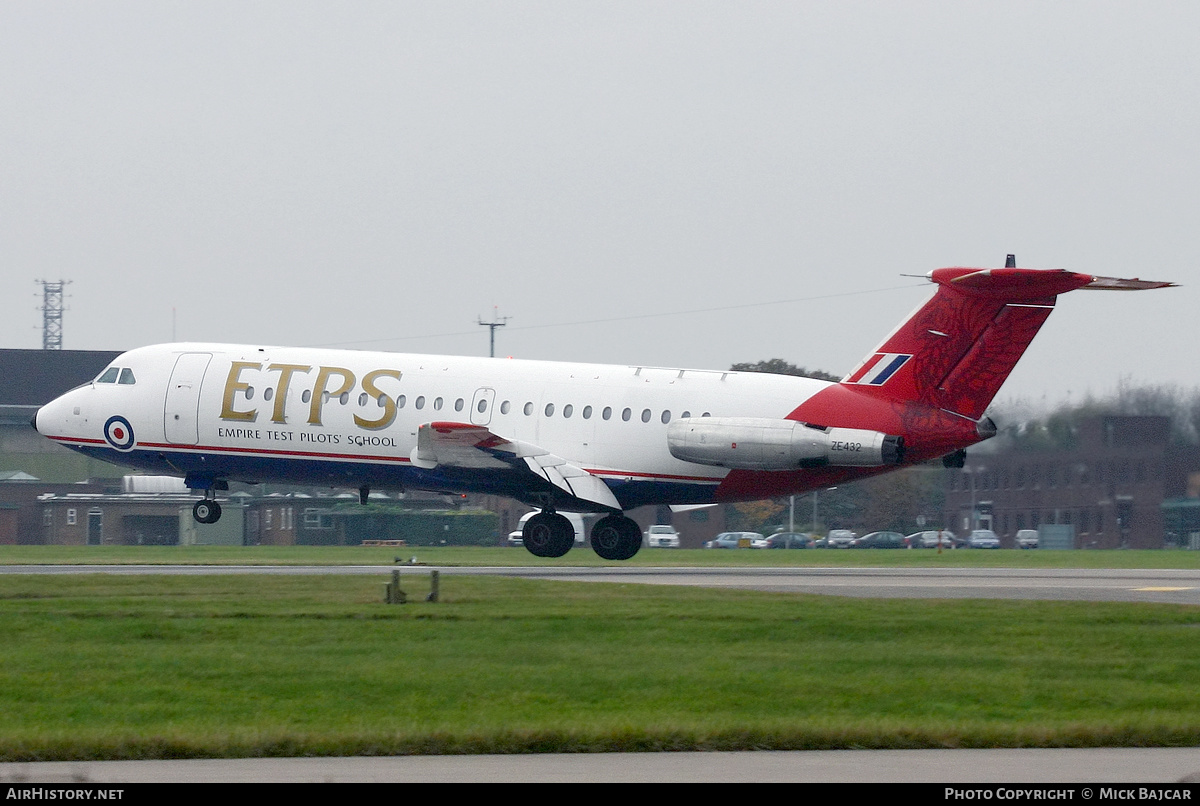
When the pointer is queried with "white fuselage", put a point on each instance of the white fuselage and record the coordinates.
(263, 413)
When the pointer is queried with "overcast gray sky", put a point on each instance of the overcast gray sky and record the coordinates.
(664, 183)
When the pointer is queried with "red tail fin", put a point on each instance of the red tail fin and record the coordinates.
(956, 350)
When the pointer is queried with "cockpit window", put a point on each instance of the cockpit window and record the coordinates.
(127, 377)
(109, 375)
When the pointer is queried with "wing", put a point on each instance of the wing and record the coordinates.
(474, 446)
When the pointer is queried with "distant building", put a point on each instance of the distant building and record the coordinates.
(132, 519)
(1109, 486)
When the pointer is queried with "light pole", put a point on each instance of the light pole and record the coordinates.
(815, 500)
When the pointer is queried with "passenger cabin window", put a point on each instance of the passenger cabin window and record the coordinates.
(109, 375)
(127, 377)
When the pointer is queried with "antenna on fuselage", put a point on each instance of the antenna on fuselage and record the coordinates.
(492, 325)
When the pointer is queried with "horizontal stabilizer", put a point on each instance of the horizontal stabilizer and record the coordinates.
(1120, 284)
(955, 351)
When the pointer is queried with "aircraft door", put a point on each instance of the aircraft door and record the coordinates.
(182, 411)
(481, 406)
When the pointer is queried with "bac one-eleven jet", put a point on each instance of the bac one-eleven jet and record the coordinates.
(560, 436)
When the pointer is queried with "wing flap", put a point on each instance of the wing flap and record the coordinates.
(474, 446)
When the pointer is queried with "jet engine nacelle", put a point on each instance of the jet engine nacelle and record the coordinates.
(750, 443)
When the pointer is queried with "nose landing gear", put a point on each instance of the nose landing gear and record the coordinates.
(206, 511)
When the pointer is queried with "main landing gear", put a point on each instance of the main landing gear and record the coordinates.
(614, 537)
(548, 534)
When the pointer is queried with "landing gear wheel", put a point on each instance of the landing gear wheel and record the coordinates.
(616, 537)
(206, 511)
(548, 535)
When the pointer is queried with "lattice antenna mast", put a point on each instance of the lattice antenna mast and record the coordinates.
(497, 321)
(52, 313)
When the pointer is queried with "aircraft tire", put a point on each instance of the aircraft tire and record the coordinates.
(548, 535)
(616, 537)
(206, 511)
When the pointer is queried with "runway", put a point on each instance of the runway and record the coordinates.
(1164, 586)
(1139, 765)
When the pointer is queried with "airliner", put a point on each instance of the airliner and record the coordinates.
(565, 437)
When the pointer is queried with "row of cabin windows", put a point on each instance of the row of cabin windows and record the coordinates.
(459, 404)
(124, 375)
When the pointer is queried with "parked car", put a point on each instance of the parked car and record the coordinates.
(516, 538)
(789, 540)
(840, 538)
(928, 539)
(736, 540)
(1027, 538)
(983, 539)
(662, 537)
(879, 540)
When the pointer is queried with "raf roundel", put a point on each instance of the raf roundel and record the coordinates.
(119, 433)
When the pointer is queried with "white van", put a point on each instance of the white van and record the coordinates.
(515, 537)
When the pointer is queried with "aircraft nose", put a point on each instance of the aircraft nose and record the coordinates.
(33, 420)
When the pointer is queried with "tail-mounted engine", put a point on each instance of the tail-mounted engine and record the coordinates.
(750, 443)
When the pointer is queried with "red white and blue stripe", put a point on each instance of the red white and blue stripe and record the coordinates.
(876, 370)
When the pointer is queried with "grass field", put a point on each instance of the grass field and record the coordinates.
(99, 666)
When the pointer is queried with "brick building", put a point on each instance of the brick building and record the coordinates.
(1108, 485)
